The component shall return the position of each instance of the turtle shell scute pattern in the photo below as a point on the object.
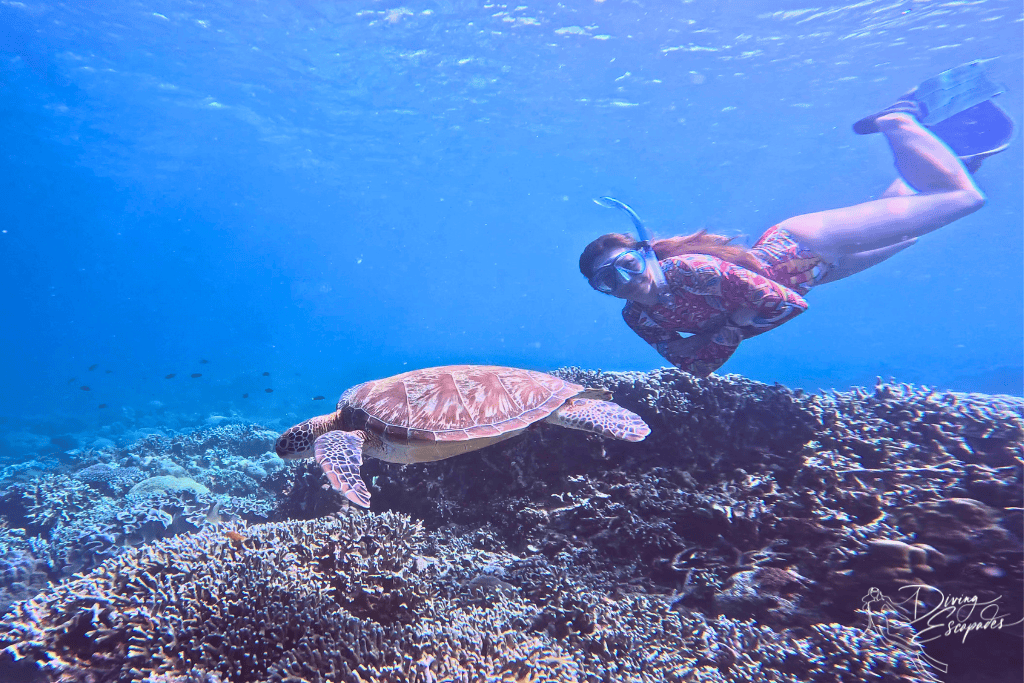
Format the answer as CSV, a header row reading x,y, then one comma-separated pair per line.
x,y
454,403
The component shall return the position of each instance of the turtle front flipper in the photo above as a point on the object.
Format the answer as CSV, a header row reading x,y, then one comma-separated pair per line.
x,y
340,454
600,417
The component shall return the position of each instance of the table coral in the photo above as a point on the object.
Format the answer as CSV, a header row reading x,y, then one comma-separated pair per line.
x,y
167,485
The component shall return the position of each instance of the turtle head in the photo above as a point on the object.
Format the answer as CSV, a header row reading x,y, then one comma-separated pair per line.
x,y
297,442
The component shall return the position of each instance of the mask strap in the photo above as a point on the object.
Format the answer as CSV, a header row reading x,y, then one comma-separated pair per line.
x,y
660,285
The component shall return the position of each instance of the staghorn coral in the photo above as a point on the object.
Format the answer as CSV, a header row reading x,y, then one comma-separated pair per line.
x,y
715,424
70,524
207,597
280,606
46,502
907,425
29,469
21,573
246,441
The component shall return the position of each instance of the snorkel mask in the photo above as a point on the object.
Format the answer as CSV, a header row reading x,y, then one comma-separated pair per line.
x,y
644,246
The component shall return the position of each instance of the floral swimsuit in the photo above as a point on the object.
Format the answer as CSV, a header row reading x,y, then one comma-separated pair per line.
x,y
788,262
706,291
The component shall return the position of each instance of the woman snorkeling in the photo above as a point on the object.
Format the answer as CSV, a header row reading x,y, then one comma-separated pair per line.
x,y
720,293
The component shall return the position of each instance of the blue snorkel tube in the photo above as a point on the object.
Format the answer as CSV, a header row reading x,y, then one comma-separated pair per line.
x,y
645,248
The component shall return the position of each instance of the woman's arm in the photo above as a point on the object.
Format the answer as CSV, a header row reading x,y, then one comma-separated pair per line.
x,y
756,304
748,305
702,353
699,354
648,330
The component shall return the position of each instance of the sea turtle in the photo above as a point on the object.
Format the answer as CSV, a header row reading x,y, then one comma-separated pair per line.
x,y
436,413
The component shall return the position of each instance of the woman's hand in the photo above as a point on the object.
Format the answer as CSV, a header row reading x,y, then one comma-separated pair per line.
x,y
800,271
687,347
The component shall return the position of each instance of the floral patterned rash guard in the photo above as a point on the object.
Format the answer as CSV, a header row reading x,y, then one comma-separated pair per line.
x,y
706,291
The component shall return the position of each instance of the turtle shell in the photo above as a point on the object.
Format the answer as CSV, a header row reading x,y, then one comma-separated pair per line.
x,y
454,403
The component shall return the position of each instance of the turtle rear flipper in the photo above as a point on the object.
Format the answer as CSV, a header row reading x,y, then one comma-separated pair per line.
x,y
600,417
340,455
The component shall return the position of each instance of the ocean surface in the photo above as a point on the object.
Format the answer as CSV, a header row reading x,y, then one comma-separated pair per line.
x,y
229,208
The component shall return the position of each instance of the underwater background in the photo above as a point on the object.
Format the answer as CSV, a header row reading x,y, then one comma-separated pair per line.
x,y
331,192
217,216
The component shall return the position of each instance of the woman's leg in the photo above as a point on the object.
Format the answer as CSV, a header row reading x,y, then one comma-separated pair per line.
x,y
899,188
944,193
854,263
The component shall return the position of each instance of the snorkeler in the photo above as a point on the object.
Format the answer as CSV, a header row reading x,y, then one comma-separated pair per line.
x,y
720,293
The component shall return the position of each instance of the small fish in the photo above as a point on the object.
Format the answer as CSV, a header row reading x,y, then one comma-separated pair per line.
x,y
108,371
72,380
84,388
319,398
103,405
170,376
266,374
235,537
269,391
196,374
213,516
245,395
203,361
93,366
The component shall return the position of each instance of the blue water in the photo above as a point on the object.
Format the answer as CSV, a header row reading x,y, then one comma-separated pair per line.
x,y
335,191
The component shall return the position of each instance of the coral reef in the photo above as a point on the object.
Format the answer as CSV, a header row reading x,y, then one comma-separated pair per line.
x,y
352,598
70,527
46,502
148,490
756,534
849,491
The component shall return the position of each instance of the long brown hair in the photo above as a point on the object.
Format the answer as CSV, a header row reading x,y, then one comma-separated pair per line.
x,y
700,242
